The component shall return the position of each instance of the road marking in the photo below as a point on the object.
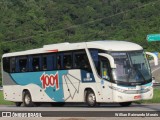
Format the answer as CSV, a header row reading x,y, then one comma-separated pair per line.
x,y
155,69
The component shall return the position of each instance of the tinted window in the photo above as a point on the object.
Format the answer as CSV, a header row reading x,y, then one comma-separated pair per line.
x,y
36,63
104,68
81,61
59,62
67,61
44,63
13,64
23,64
6,64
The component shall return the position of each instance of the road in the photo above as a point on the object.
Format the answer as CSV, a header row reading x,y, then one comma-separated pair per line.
x,y
0,88
82,107
155,71
83,112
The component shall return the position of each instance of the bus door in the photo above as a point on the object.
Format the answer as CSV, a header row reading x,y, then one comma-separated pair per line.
x,y
105,74
104,68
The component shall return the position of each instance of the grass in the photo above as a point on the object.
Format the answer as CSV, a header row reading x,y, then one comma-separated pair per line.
x,y
156,98
4,102
0,81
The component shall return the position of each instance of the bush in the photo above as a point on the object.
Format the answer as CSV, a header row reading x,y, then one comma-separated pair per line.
x,y
0,82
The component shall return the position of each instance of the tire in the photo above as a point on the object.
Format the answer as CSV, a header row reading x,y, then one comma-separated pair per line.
x,y
90,98
125,104
18,104
27,99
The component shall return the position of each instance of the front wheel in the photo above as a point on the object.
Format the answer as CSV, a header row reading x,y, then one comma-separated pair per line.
x,y
125,104
27,100
90,98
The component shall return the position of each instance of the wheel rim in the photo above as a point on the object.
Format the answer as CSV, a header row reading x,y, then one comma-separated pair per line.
x,y
91,98
27,99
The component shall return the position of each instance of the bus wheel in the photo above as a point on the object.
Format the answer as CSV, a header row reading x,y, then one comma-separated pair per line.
x,y
18,104
27,100
90,98
125,104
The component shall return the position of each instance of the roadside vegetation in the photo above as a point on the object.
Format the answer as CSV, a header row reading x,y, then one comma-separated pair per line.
x,y
156,97
28,24
4,102
0,82
0,79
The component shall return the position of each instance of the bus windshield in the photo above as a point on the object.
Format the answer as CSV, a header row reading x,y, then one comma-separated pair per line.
x,y
131,67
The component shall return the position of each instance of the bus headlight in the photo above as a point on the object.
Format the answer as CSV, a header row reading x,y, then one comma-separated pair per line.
x,y
117,89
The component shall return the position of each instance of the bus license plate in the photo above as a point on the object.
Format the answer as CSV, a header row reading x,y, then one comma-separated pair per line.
x,y
137,97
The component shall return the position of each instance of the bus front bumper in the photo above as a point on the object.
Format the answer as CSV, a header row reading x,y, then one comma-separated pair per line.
x,y
134,95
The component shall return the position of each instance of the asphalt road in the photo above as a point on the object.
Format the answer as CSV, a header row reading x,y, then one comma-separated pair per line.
x,y
0,88
83,112
83,107
155,71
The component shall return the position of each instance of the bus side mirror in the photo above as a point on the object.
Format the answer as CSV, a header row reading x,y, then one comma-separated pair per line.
x,y
154,57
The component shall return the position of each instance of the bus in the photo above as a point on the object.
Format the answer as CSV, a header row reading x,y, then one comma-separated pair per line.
x,y
90,72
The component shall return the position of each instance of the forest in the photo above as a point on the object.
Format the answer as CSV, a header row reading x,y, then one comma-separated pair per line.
x,y
27,24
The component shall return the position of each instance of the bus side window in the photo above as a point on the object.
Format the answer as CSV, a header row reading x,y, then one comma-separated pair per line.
x,y
104,70
23,65
76,61
81,62
53,61
13,65
67,61
6,64
36,63
59,64
44,63
84,63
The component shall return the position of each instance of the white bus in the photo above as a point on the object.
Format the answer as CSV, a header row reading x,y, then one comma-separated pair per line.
x,y
92,72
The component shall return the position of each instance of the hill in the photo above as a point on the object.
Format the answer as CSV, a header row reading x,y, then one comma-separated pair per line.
x,y
26,24
30,24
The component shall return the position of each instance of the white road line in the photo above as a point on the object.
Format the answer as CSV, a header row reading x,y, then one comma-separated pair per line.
x,y
155,69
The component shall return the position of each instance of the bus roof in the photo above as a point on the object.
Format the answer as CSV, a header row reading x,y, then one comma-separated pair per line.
x,y
108,45
113,45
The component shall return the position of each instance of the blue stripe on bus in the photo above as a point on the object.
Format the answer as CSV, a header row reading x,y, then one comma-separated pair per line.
x,y
56,94
148,84
34,78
